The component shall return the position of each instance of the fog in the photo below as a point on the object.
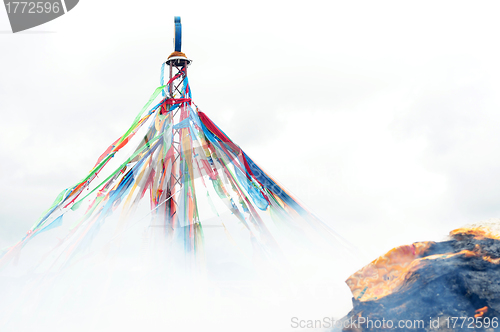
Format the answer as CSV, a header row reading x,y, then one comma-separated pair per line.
x,y
380,116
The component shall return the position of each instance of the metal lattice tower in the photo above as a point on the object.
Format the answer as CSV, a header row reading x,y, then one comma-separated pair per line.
x,y
177,63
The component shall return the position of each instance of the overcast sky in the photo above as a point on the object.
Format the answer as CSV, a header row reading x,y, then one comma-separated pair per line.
x,y
381,116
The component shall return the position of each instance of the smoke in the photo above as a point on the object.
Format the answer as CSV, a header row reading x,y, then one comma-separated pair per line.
x,y
138,281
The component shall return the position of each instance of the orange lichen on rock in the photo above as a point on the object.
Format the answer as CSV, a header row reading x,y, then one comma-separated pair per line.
x,y
481,311
479,233
386,273
492,260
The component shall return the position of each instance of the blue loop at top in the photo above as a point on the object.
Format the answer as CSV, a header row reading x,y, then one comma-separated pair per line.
x,y
178,33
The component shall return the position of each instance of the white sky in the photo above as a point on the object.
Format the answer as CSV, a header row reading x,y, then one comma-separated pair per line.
x,y
381,116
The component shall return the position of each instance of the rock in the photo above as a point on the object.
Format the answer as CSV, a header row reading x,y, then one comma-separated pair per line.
x,y
452,285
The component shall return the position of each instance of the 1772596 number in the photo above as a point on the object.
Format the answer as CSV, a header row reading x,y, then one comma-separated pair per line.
x,y
32,7
471,322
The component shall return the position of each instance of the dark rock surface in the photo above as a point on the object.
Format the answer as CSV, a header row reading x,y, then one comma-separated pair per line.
x,y
440,290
